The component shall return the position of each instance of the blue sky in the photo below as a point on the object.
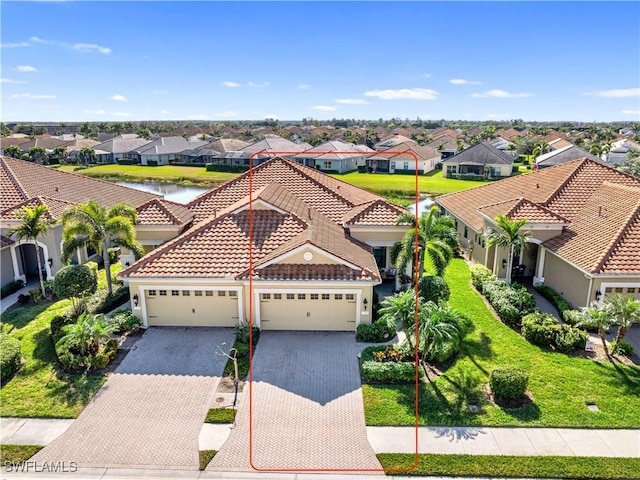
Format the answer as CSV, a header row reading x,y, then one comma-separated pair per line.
x,y
107,61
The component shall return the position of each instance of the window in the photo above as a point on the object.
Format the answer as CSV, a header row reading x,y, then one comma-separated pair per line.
x,y
152,293
314,296
393,165
233,293
327,165
175,293
266,296
186,293
325,296
631,290
338,296
350,296
406,166
618,289
209,293
608,290
452,169
198,293
301,296
290,296
466,232
163,293
277,296
221,293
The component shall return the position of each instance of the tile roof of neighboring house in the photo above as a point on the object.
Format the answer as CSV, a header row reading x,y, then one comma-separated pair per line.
x,y
509,133
218,246
553,134
447,141
523,209
122,144
323,151
56,207
5,142
602,204
5,241
227,145
169,145
481,154
445,133
159,211
48,143
275,144
328,195
391,141
563,155
558,143
379,212
25,183
402,151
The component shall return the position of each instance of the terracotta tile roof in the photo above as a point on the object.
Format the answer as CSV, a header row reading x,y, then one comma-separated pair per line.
x,y
163,212
291,271
523,209
575,191
509,133
56,207
375,213
5,241
422,152
328,195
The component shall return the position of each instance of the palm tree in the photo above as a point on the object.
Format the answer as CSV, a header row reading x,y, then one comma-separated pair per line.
x,y
437,239
509,237
34,225
38,155
13,151
626,311
93,225
87,155
540,148
400,307
600,318
60,153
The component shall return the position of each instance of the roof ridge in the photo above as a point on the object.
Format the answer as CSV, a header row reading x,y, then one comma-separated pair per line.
x,y
565,183
617,239
297,167
13,177
168,212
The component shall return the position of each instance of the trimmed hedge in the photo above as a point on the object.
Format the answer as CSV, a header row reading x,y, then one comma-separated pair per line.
x,y
480,274
125,321
127,161
10,355
511,302
433,288
555,298
10,288
376,332
543,329
508,383
386,371
102,302
210,167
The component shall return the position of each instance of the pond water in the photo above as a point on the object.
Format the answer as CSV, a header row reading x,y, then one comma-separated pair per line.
x,y
423,205
171,191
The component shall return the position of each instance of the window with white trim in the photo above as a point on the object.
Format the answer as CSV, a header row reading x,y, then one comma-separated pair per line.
x,y
222,293
198,293
302,296
325,296
175,293
291,296
152,293
209,293
163,293
266,296
277,296
338,296
233,294
314,296
186,293
350,296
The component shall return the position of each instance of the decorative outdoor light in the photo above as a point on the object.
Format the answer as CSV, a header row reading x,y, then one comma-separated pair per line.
x,y
365,303
135,300
50,261
598,295
504,263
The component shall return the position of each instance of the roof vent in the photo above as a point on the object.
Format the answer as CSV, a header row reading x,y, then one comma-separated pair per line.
x,y
599,210
537,185
57,189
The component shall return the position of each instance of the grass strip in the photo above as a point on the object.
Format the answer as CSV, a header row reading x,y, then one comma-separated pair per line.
x,y
17,453
220,415
205,457
512,466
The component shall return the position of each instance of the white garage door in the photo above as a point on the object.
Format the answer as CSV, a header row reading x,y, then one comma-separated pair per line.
x,y
192,308
308,311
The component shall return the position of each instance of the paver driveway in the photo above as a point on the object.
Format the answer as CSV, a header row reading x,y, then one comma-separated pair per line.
x,y
150,411
307,411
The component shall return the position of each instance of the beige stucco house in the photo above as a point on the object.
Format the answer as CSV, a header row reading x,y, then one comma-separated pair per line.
x,y
482,160
584,219
24,183
283,246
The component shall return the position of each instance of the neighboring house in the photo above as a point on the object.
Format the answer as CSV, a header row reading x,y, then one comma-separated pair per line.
x,y
48,143
406,157
558,143
299,251
619,151
123,146
482,160
509,134
214,152
163,150
584,219
445,144
562,155
335,157
266,148
6,141
391,141
24,183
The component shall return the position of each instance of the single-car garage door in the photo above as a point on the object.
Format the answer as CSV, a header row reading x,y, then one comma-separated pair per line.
x,y
192,308
308,311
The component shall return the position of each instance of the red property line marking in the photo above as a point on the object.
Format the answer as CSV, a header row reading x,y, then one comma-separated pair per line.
x,y
416,266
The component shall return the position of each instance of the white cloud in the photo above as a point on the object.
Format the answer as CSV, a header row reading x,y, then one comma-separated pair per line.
x,y
304,86
460,81
616,93
164,112
14,45
26,68
122,114
9,80
40,40
500,94
91,47
352,101
32,96
324,108
427,75
231,84
631,112
199,116
403,94
119,98
95,112
258,85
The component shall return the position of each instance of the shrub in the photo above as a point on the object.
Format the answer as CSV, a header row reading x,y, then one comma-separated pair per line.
x,y
57,323
10,288
35,294
75,281
242,350
480,274
573,317
386,371
540,328
622,348
570,338
68,352
554,297
242,334
10,355
93,266
102,302
379,331
511,302
24,299
125,321
433,288
508,383
445,352
210,167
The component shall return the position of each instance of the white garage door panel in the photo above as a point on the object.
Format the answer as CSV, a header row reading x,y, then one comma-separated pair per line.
x,y
191,310
307,314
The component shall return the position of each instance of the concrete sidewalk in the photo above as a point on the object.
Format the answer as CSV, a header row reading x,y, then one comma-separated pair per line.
x,y
449,440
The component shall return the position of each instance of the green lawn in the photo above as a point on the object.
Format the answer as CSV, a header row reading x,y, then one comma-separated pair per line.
x,y
508,466
11,454
220,415
164,173
386,184
561,384
39,388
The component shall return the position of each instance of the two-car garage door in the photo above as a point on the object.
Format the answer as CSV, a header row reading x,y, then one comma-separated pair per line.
x,y
192,308
308,311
